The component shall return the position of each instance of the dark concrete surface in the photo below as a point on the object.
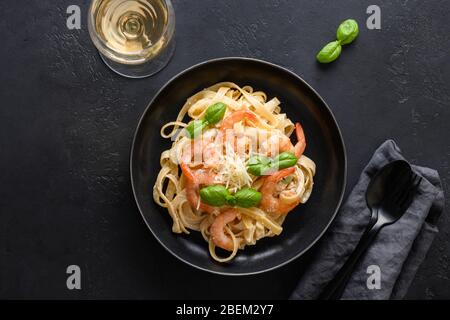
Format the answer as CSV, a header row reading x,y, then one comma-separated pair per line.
x,y
67,121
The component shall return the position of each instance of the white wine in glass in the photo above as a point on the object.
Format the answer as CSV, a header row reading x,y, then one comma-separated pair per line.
x,y
133,37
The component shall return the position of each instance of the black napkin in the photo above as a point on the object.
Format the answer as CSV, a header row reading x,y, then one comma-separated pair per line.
x,y
398,250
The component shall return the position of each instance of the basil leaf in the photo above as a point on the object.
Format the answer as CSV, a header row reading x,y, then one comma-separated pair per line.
x,y
231,200
215,112
330,52
347,31
258,170
258,165
247,198
216,195
258,159
195,128
284,160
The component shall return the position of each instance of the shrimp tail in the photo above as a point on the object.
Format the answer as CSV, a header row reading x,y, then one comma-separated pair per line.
x,y
237,116
301,140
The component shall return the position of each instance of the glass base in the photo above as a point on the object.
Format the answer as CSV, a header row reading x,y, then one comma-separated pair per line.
x,y
145,69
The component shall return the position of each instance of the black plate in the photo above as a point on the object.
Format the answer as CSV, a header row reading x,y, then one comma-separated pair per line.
x,y
305,225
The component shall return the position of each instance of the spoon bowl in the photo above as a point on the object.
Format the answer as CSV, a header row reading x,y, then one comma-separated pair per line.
x,y
383,182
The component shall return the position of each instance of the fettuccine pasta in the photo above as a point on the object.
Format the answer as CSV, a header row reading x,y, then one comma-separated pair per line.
x,y
232,172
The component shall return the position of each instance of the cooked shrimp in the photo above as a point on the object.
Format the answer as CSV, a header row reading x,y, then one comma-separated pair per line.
x,y
217,230
224,136
283,143
192,152
194,180
237,116
270,201
212,155
276,143
203,150
300,146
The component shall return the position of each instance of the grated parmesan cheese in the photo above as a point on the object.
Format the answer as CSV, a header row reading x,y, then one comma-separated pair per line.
x,y
233,173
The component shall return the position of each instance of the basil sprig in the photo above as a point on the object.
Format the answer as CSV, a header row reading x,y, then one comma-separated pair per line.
x,y
213,115
345,34
218,196
261,165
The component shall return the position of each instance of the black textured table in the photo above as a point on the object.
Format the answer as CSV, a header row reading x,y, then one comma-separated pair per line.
x,y
67,121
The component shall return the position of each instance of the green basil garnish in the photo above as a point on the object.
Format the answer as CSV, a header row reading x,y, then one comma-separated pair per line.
x,y
347,31
260,165
215,112
216,195
195,128
231,201
330,52
284,160
247,198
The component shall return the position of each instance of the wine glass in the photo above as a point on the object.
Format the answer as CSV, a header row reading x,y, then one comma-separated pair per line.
x,y
133,37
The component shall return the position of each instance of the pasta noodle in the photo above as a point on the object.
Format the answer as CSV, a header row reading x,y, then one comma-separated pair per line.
x,y
250,127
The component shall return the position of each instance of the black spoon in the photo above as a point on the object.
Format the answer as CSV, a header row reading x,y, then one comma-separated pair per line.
x,y
389,194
